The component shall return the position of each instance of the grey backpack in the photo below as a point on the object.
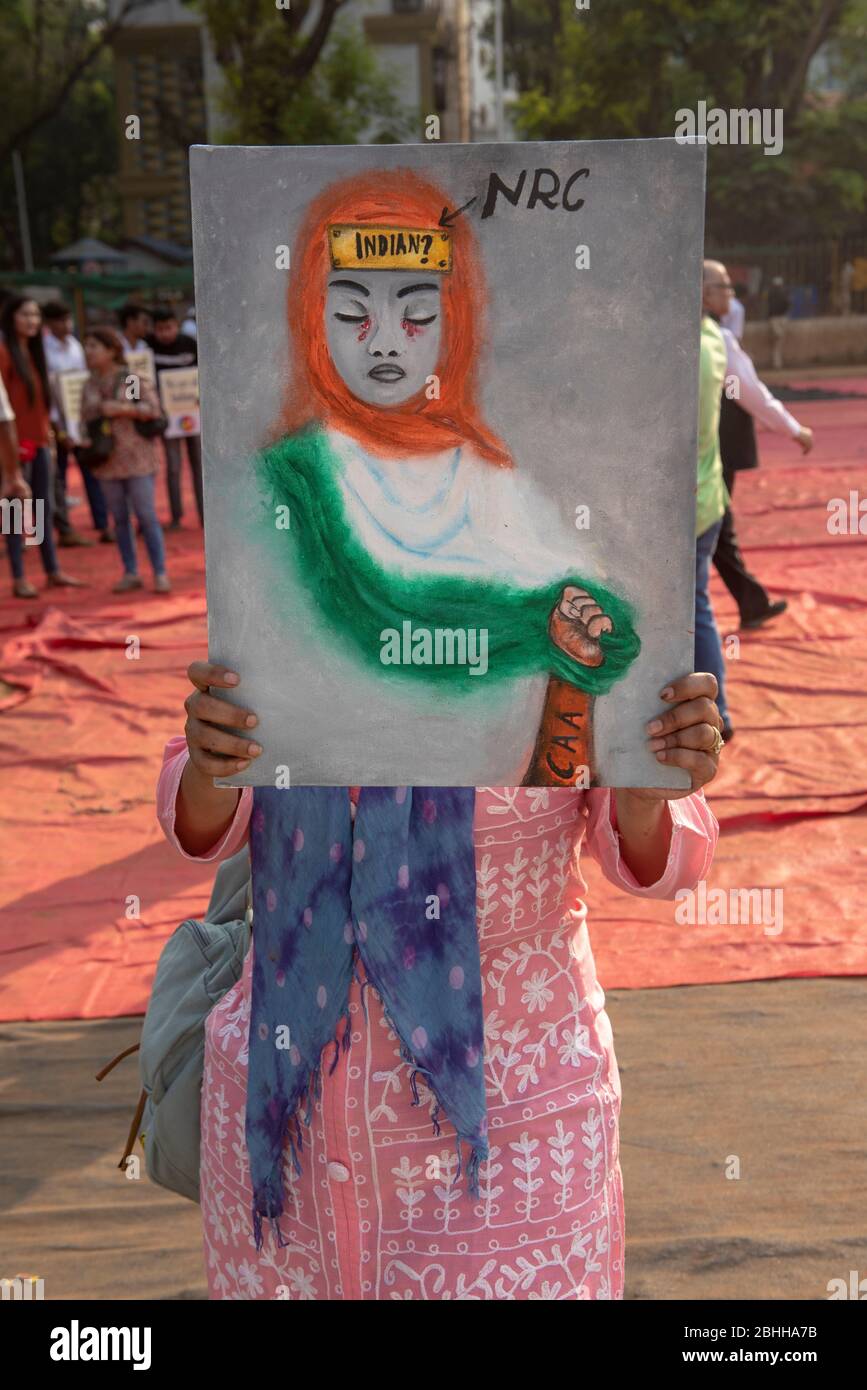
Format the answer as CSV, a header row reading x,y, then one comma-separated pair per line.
x,y
199,963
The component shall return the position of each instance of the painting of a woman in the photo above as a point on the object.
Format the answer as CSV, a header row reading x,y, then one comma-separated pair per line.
x,y
423,547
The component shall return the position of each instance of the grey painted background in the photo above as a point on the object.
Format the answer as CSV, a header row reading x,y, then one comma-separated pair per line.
x,y
591,379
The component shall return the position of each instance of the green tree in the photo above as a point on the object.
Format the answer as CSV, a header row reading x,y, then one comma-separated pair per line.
x,y
623,69
71,168
299,76
46,47
56,75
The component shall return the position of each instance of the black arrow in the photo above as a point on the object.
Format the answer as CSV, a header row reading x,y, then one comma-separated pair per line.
x,y
447,218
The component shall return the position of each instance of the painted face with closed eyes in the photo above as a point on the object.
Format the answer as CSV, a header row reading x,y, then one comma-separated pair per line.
x,y
384,330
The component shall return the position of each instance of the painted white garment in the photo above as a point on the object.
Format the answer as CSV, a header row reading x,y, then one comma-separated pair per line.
x,y
454,513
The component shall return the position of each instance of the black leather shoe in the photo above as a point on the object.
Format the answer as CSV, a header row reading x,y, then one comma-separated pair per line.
x,y
772,611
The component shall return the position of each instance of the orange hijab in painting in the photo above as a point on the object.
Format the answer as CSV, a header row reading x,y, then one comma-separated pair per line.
x,y
318,393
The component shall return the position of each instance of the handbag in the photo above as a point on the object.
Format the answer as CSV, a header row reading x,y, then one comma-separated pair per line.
x,y
152,429
198,965
99,447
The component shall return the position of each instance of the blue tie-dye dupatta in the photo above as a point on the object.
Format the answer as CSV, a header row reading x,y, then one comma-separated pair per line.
x,y
401,893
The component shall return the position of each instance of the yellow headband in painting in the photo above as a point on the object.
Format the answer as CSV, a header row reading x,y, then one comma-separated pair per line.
x,y
390,248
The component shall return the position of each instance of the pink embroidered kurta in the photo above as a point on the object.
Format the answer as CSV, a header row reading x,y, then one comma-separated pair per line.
x,y
378,1211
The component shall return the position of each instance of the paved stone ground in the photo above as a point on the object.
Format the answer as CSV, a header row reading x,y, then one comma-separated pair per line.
x,y
772,1073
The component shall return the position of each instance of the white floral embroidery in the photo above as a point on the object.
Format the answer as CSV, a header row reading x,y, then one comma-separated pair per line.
x,y
486,893
576,1045
592,1140
301,1282
513,892
409,1189
505,803
449,1190
536,993
250,1279
562,1155
539,884
221,1120
563,862
234,1024
527,1164
489,1171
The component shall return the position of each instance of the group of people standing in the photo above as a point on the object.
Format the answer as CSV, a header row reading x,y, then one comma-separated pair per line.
x,y
731,400
37,345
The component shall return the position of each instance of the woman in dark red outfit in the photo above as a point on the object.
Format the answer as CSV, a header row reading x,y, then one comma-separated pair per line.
x,y
22,364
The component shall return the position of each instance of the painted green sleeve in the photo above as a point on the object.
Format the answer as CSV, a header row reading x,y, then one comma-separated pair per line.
x,y
359,598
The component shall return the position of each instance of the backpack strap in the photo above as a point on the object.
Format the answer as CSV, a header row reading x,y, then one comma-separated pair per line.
x,y
133,1129
110,1066
142,1100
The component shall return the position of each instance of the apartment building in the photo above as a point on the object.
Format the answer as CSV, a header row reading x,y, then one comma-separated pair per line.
x,y
168,77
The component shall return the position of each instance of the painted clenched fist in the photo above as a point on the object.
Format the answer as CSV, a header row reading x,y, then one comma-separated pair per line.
x,y
576,625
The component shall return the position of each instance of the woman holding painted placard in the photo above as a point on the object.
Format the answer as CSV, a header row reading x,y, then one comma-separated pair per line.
x,y
411,1092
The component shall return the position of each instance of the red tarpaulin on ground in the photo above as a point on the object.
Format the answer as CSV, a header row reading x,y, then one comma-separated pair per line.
x,y
90,890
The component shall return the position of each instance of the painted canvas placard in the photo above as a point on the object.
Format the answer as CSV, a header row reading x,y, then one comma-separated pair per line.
x,y
449,413
179,393
141,364
69,389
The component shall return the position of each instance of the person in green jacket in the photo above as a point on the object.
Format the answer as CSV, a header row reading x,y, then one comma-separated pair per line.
x,y
711,500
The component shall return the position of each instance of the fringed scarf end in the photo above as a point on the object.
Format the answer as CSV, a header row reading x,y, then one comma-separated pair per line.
x,y
365,985
300,1119
477,1156
258,1216
314,1091
474,1162
341,1044
296,1164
